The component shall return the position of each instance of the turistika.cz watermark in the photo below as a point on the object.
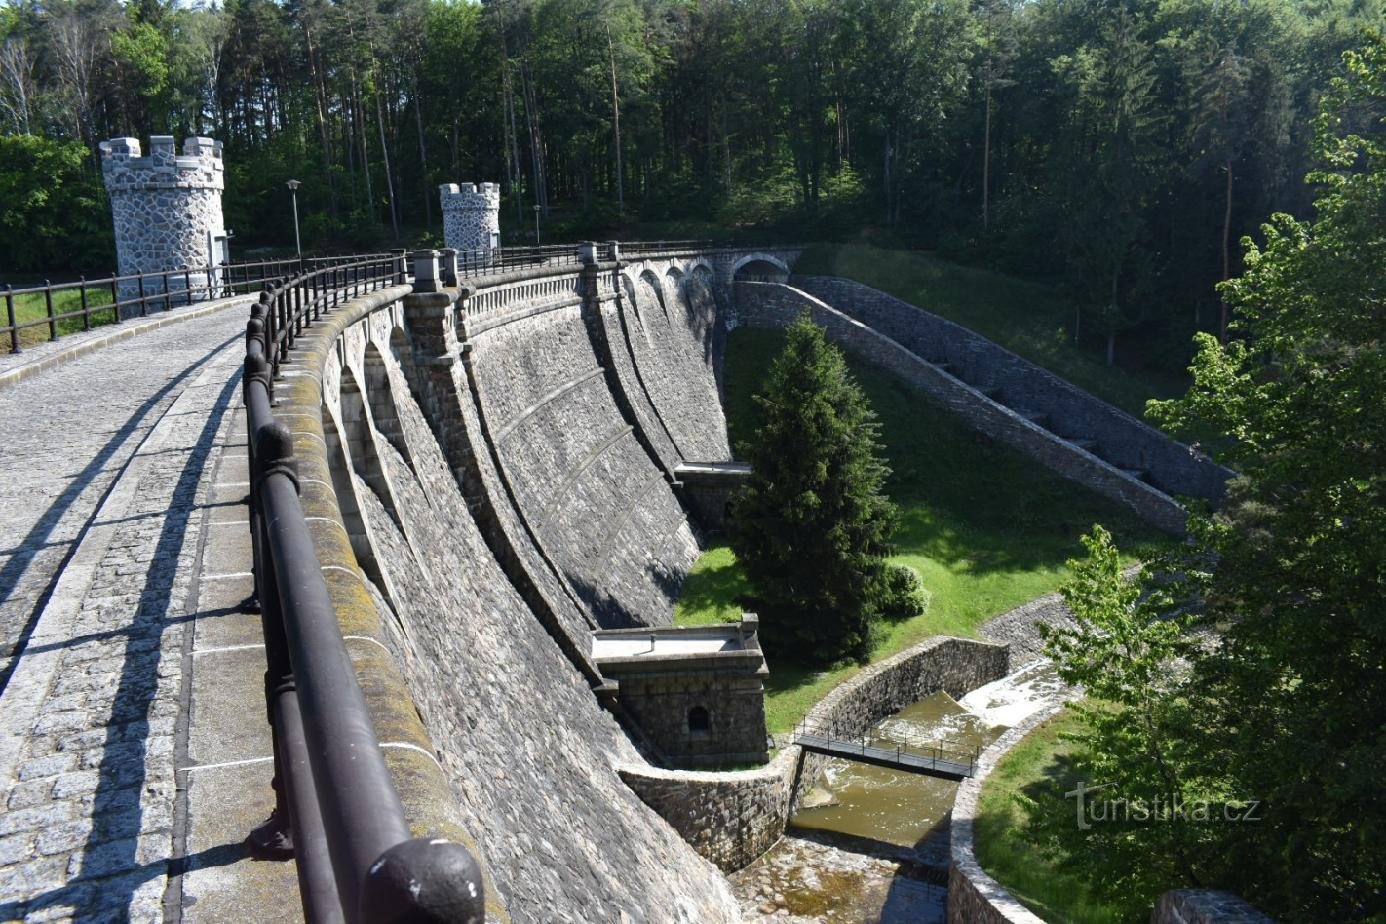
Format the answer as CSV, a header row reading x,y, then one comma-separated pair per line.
x,y
1098,805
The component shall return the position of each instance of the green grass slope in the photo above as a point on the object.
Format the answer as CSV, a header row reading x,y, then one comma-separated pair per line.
x,y
986,527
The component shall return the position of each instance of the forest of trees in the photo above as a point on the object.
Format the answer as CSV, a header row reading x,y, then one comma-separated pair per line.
x,y
1121,146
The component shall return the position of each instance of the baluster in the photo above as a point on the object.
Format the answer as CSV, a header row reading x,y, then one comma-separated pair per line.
x,y
48,301
9,312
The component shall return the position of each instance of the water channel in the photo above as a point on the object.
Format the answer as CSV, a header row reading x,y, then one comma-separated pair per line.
x,y
871,843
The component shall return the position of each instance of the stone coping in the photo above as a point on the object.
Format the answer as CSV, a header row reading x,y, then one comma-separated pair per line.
x,y
425,789
67,348
1003,906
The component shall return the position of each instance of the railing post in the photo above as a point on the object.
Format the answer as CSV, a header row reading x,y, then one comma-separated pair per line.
x,y
401,267
86,312
144,308
9,312
48,302
115,297
168,298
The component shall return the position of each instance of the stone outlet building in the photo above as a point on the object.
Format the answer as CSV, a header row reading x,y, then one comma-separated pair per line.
x,y
697,693
471,220
167,212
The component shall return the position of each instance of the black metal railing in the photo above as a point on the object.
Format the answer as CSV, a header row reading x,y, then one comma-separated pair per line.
x,y
337,808
954,758
112,299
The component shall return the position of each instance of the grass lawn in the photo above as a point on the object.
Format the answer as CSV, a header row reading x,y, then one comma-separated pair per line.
x,y
33,308
1039,767
1027,318
986,528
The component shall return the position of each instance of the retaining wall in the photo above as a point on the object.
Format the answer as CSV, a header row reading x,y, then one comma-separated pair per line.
x,y
777,305
1121,439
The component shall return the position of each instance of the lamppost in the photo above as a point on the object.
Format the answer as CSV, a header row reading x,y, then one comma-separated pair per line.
x,y
537,240
293,190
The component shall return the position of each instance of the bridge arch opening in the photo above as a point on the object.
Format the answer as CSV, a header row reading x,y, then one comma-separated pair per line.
x,y
699,721
760,267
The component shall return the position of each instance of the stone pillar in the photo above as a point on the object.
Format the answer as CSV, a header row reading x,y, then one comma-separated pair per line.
x,y
167,213
471,221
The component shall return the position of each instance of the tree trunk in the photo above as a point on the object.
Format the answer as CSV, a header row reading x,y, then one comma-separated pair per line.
x,y
1226,253
385,154
616,124
986,155
423,155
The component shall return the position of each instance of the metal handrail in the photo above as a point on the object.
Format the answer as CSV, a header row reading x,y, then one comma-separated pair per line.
x,y
334,794
138,291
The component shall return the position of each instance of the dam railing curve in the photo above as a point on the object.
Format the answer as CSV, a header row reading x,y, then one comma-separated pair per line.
x,y
337,810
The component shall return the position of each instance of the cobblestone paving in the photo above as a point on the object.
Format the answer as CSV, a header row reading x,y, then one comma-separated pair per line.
x,y
103,496
67,434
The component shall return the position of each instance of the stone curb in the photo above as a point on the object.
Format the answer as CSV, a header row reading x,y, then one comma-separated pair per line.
x,y
969,886
429,803
118,332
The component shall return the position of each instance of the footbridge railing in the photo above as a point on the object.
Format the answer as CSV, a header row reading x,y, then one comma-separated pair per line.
x,y
943,758
337,809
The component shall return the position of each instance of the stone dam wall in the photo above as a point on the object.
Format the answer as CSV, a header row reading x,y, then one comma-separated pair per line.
x,y
422,408
489,476
777,305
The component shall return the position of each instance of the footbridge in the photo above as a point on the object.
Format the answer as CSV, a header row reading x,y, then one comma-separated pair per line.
x,y
945,760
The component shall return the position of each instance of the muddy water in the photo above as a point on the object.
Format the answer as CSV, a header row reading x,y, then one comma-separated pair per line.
x,y
874,846
893,806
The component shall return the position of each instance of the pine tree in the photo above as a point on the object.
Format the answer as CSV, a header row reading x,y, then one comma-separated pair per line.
x,y
812,525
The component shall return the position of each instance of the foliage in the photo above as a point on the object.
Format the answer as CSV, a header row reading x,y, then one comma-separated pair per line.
x,y
52,210
1299,560
1281,704
812,523
986,528
900,593
1039,769
1123,650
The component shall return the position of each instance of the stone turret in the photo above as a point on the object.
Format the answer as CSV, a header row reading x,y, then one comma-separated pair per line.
x,y
471,220
167,212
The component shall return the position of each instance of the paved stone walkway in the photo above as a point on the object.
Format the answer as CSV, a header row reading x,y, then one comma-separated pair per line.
x,y
128,771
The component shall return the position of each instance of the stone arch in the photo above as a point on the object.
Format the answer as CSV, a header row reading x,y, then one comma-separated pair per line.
x,y
649,280
359,440
381,397
760,267
339,467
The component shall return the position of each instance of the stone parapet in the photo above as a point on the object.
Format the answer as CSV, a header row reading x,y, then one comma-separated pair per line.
x,y
728,818
1204,906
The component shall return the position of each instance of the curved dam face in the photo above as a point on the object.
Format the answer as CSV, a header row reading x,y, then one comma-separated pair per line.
x,y
503,465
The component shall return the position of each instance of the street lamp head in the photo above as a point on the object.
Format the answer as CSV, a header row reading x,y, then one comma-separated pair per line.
x,y
294,184
536,209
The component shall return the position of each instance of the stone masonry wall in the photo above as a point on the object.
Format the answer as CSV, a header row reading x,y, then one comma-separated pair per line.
x,y
732,818
598,502
164,207
671,321
530,754
471,217
1120,438
1204,906
776,305
729,818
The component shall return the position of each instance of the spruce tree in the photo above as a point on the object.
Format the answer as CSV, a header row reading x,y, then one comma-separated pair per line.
x,y
812,524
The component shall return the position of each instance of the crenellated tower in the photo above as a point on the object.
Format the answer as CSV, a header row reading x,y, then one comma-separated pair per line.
x,y
167,211
471,220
